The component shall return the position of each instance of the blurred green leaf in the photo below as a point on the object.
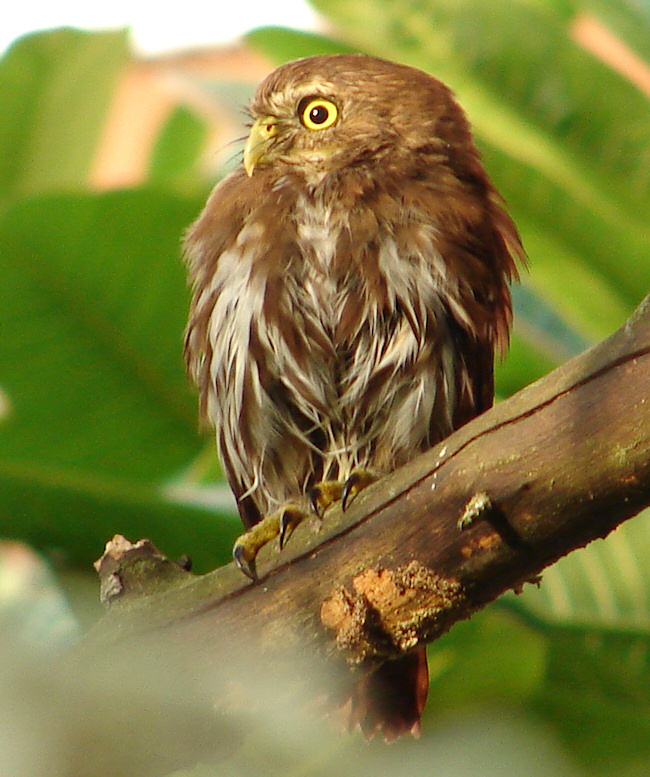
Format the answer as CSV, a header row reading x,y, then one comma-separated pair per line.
x,y
597,697
92,309
594,608
74,513
178,147
55,89
281,44
603,586
509,667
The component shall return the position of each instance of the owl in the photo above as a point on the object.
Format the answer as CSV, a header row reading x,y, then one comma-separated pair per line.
x,y
350,290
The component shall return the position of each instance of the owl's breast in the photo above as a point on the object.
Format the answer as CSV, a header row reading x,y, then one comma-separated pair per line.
x,y
323,283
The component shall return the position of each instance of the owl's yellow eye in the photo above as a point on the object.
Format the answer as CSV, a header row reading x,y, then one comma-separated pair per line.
x,y
317,113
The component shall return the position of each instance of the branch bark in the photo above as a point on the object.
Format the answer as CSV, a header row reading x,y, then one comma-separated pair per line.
x,y
557,465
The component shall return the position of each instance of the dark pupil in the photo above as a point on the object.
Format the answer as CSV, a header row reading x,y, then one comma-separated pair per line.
x,y
319,114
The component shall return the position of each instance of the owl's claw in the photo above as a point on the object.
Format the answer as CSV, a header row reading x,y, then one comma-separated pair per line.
x,y
323,494
248,545
282,522
279,524
290,517
245,564
358,480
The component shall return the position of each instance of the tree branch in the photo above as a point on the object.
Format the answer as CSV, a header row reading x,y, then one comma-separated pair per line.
x,y
557,465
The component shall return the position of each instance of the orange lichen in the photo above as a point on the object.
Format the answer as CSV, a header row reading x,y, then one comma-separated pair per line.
x,y
390,611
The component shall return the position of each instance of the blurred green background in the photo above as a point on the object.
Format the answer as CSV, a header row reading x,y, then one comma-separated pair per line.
x,y
98,427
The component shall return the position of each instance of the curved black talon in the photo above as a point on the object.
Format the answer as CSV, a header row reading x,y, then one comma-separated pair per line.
x,y
284,528
287,524
246,566
347,492
314,496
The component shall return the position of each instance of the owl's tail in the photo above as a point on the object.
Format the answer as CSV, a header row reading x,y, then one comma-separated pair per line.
x,y
390,700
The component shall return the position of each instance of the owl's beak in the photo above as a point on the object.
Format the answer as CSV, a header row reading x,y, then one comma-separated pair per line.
x,y
259,142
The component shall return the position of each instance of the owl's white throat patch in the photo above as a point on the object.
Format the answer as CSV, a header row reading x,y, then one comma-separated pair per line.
x,y
318,233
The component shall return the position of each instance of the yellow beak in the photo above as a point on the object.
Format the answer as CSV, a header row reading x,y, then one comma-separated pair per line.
x,y
259,143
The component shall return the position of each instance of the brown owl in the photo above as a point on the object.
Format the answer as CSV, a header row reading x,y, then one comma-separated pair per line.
x,y
350,289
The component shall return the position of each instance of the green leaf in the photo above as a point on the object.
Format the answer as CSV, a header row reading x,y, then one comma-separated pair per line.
x,y
178,147
281,44
597,697
93,304
594,607
510,666
92,309
55,89
603,586
74,513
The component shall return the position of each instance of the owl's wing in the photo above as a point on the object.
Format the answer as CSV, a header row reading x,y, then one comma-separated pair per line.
x,y
482,248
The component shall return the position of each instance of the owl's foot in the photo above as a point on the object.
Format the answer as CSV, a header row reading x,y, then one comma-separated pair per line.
x,y
282,522
358,480
278,524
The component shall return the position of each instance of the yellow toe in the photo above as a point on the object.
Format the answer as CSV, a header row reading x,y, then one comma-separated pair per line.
x,y
324,494
358,480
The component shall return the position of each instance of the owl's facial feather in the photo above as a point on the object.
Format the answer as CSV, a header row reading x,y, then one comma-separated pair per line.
x,y
298,130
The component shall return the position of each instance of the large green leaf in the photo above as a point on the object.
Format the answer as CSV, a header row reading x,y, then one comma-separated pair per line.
x,y
281,44
597,697
55,89
603,586
92,309
593,687
511,665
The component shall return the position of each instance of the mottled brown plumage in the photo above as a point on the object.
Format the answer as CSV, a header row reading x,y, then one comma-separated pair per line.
x,y
350,293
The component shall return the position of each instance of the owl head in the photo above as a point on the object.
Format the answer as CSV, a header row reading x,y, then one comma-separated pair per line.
x,y
327,113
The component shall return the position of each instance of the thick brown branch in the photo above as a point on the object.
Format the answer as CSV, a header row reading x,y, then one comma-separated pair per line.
x,y
561,463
